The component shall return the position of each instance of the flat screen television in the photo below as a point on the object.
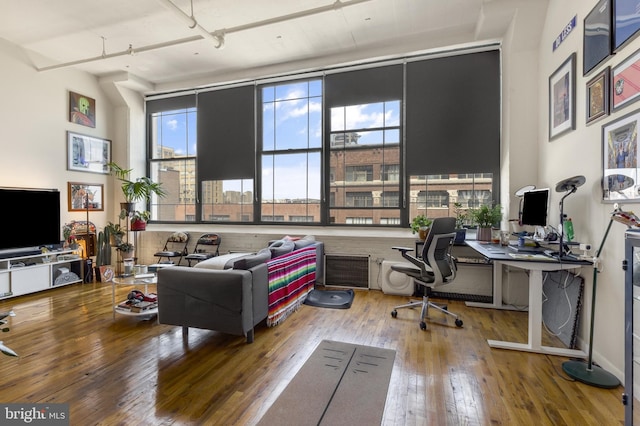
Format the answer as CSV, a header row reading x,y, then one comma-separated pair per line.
x,y
535,206
35,221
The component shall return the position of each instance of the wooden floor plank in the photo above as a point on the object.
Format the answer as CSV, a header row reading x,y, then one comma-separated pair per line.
x,y
130,371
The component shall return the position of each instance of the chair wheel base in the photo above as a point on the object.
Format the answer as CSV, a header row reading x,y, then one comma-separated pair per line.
x,y
423,325
459,323
394,314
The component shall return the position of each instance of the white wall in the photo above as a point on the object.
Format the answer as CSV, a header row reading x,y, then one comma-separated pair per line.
x,y
580,153
35,118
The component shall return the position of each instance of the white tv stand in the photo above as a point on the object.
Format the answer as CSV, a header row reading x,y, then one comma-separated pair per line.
x,y
29,274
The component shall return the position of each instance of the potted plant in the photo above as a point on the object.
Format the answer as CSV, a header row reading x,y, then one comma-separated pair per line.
x,y
125,249
139,220
115,233
420,225
103,251
485,217
461,217
140,189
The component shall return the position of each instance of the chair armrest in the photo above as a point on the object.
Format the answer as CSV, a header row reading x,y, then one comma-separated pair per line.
x,y
402,249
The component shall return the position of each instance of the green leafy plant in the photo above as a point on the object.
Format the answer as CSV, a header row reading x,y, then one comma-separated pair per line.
x,y
420,221
461,215
140,189
486,216
125,247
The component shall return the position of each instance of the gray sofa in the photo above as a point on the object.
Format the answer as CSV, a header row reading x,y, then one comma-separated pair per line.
x,y
232,301
227,293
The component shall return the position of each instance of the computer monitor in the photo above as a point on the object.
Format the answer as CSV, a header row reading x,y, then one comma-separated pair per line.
x,y
535,206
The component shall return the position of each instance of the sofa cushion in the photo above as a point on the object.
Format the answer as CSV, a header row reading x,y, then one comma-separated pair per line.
x,y
280,247
248,262
307,240
224,261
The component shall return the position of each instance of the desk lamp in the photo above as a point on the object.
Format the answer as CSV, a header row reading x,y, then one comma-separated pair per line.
x,y
569,185
520,194
587,372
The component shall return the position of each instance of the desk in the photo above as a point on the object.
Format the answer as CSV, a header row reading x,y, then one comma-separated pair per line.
x,y
535,264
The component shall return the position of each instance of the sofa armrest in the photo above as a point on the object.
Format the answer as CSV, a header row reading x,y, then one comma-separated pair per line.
x,y
220,300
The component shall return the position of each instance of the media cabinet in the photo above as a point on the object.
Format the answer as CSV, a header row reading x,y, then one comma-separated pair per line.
x,y
37,272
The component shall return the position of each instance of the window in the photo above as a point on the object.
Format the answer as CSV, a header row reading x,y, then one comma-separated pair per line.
x,y
173,141
390,172
291,151
364,159
434,196
331,149
227,200
359,173
359,199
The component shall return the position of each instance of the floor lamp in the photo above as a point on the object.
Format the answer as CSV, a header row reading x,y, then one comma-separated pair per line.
x,y
587,372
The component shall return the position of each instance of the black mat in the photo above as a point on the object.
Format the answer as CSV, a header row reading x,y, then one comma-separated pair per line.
x,y
336,299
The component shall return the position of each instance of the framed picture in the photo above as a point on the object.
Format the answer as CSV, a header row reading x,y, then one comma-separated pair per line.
x,y
597,36
598,96
620,159
625,82
85,196
88,153
562,98
626,21
82,109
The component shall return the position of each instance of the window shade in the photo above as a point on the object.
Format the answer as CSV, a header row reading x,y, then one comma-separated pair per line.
x,y
226,141
363,86
171,104
453,114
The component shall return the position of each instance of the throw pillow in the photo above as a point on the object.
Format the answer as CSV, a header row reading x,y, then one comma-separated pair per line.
x,y
248,262
280,247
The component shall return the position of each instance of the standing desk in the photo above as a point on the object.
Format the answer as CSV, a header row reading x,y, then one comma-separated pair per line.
x,y
535,264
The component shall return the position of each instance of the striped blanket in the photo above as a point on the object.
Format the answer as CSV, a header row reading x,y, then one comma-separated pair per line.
x,y
291,278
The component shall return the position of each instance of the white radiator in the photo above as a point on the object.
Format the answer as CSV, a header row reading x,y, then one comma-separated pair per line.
x,y
346,270
393,282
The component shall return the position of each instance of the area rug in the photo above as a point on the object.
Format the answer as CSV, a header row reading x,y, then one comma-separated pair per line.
x,y
340,384
336,299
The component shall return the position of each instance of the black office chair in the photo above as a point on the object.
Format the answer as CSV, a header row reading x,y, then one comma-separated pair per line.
x,y
174,247
435,267
207,246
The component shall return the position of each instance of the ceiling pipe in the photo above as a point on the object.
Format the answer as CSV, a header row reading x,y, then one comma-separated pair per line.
x,y
190,21
338,4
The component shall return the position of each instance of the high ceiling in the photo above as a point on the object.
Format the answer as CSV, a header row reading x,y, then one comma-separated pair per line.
x,y
261,37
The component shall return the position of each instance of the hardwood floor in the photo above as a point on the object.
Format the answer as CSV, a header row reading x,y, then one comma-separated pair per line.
x,y
130,371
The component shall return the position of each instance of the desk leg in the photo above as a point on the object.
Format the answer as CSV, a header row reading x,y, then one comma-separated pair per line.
x,y
535,325
497,291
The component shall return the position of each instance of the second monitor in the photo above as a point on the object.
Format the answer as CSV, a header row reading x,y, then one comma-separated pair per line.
x,y
535,206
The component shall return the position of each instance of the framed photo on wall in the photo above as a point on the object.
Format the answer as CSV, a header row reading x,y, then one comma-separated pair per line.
x,y
85,196
597,36
598,96
625,82
562,98
88,153
82,109
620,159
626,21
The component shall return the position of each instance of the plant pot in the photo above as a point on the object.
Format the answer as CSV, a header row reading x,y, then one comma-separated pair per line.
x,y
138,225
115,240
461,234
129,207
422,233
484,234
